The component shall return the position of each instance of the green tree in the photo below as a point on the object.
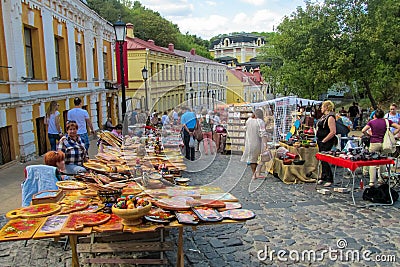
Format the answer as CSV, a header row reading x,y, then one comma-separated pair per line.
x,y
351,41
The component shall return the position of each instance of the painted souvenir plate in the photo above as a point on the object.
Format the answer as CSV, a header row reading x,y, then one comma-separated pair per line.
x,y
71,185
238,214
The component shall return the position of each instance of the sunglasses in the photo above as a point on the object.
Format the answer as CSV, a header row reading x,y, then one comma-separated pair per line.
x,y
71,122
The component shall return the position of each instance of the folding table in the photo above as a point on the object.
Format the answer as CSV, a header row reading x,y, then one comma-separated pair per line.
x,y
353,165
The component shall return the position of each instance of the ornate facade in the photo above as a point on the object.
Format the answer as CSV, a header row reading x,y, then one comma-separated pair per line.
x,y
50,50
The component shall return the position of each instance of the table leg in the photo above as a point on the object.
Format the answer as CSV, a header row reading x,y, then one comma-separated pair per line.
x,y
73,240
180,262
352,188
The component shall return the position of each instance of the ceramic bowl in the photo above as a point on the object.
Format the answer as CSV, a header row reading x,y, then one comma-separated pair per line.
x,y
132,216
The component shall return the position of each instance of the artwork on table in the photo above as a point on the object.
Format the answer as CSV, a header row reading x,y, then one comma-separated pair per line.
x,y
238,214
113,224
71,185
53,224
227,197
39,210
77,221
19,229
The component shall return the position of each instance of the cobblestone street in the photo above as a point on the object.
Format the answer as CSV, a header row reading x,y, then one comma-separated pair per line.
x,y
290,218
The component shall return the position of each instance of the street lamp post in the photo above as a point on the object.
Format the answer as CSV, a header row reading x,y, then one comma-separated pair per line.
x,y
120,33
145,76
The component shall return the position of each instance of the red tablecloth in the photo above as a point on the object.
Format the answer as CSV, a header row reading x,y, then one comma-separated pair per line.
x,y
352,165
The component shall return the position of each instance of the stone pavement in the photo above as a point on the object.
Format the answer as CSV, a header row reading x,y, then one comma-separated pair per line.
x,y
293,220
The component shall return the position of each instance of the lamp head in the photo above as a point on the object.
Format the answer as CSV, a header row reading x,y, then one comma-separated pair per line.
x,y
145,73
120,31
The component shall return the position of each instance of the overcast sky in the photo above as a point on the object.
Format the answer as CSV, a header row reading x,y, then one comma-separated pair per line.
x,y
208,18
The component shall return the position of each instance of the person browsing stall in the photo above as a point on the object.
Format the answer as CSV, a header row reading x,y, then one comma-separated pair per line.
x,y
255,129
326,139
74,149
117,131
188,121
82,119
54,131
376,129
393,116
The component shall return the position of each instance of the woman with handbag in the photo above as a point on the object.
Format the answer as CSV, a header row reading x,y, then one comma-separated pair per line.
x,y
376,129
255,128
326,139
206,129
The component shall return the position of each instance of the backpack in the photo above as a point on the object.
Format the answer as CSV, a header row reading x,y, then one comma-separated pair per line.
x,y
380,194
341,128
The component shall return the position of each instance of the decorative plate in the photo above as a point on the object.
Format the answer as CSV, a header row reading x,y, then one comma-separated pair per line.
x,y
71,185
238,214
40,210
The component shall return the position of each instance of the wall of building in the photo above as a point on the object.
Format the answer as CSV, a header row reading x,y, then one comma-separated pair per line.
x,y
69,44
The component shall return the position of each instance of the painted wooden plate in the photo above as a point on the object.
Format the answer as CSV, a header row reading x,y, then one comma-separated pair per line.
x,y
71,185
39,210
238,214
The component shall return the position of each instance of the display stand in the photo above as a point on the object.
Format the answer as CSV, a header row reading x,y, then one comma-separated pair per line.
x,y
237,116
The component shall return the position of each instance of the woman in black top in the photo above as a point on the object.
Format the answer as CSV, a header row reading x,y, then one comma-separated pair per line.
x,y
326,139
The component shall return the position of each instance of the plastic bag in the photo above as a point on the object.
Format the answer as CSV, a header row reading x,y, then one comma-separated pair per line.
x,y
191,141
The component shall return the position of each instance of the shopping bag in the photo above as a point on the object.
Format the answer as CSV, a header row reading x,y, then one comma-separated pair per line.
x,y
191,141
389,142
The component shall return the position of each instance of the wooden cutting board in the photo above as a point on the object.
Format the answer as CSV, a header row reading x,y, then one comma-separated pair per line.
x,y
172,204
79,222
112,225
39,210
211,203
20,229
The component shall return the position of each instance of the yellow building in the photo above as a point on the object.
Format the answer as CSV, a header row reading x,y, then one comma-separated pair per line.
x,y
50,51
245,86
236,48
165,84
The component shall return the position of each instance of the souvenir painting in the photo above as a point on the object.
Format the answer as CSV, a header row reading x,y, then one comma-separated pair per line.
x,y
187,217
20,229
208,214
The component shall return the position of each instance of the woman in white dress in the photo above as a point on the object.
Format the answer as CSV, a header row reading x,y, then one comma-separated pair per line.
x,y
255,127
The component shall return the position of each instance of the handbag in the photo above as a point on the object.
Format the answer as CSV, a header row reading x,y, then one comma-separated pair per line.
x,y
198,133
266,156
389,142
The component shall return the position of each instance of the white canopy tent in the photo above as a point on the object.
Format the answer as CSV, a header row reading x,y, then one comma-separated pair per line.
x,y
283,108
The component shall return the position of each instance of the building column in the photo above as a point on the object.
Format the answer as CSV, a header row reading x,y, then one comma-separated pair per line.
x,y
26,136
93,98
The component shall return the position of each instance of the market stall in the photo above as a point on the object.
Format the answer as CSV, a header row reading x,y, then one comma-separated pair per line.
x,y
132,188
304,172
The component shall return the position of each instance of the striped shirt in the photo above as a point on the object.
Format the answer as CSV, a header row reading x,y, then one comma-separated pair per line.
x,y
75,151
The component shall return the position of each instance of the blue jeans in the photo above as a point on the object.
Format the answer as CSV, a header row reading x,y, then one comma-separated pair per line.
x,y
72,169
53,138
85,139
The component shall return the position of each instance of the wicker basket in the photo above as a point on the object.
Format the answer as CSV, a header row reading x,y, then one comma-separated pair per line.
x,y
132,216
